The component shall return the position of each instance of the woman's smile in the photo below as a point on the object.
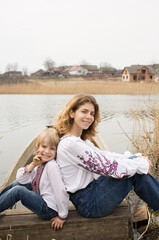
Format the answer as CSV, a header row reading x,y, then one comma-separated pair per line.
x,y
87,123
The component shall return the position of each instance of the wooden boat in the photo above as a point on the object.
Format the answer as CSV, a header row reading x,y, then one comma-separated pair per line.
x,y
22,224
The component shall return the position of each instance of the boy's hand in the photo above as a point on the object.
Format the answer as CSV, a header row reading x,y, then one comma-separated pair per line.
x,y
57,223
37,160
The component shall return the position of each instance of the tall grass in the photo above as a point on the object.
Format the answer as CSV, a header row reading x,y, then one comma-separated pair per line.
x,y
145,137
77,86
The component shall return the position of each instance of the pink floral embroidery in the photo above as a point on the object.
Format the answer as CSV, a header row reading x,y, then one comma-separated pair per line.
x,y
100,166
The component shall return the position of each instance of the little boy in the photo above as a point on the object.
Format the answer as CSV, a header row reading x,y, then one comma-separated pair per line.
x,y
39,185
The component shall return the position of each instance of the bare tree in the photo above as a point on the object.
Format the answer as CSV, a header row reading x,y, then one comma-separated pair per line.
x,y
84,62
15,66
12,67
107,68
25,71
48,64
105,65
8,67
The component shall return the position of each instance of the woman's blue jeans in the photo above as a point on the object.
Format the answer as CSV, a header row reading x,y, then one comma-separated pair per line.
x,y
32,200
103,195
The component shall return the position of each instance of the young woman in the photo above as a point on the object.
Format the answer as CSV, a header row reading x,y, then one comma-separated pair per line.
x,y
79,159
39,185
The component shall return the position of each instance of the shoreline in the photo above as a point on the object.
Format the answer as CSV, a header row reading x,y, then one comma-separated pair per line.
x,y
79,86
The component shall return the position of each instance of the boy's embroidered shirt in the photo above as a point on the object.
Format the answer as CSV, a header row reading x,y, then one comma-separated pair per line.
x,y
52,188
82,159
36,180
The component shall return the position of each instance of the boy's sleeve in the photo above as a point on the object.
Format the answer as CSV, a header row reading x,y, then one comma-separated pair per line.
x,y
25,178
61,195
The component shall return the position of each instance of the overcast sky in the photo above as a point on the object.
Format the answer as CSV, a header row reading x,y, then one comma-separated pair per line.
x,y
119,32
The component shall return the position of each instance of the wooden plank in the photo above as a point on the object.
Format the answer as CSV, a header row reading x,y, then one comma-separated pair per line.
x,y
21,210
140,213
112,227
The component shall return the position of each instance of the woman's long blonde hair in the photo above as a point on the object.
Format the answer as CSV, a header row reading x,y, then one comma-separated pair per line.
x,y
64,122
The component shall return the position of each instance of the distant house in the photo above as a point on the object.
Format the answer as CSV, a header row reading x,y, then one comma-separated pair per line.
x,y
138,73
38,73
110,72
90,68
41,73
77,71
65,72
11,77
48,73
156,69
58,70
12,74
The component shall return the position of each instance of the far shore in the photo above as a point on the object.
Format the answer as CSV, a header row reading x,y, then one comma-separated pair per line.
x,y
79,86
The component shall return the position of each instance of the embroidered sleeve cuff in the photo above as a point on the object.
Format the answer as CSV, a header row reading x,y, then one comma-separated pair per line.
x,y
62,218
143,166
26,169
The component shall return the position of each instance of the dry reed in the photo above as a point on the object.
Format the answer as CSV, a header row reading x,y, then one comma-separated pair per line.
x,y
145,137
72,87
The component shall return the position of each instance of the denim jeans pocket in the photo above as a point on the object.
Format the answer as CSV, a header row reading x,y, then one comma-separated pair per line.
x,y
83,199
79,195
84,207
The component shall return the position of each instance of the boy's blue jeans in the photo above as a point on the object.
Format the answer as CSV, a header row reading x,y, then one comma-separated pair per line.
x,y
103,195
16,191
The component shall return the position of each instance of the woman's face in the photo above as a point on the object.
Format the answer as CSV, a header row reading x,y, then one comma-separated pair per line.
x,y
83,117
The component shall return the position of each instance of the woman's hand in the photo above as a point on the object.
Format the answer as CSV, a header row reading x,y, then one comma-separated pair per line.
x,y
150,164
57,223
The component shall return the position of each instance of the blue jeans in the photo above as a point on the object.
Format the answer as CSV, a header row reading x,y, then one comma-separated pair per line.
x,y
104,194
16,191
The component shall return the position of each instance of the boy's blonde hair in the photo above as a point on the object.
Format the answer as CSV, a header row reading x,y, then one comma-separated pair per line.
x,y
64,121
48,134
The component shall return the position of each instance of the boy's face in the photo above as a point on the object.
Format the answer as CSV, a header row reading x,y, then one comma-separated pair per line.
x,y
46,151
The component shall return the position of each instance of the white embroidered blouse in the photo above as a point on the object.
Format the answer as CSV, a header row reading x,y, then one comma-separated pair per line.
x,y
79,160
51,187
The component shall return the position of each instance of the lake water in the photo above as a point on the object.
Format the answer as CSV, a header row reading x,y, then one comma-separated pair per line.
x,y
22,117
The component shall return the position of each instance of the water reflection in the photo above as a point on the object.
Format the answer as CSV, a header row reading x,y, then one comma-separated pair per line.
x,y
106,116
